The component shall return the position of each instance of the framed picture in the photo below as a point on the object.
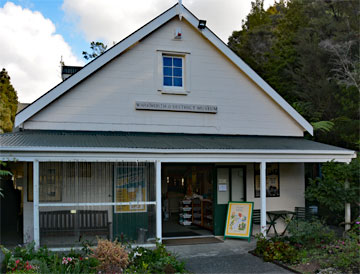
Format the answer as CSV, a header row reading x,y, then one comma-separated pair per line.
x,y
50,186
239,220
272,180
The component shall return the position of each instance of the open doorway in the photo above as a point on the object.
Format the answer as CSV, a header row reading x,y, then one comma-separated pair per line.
x,y
187,200
11,205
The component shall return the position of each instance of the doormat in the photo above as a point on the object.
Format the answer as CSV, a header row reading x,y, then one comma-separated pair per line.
x,y
193,241
180,234
195,227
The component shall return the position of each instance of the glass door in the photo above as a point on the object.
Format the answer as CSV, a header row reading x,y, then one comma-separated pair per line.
x,y
230,186
237,184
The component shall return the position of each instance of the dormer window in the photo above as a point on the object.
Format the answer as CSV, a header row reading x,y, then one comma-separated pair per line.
x,y
173,71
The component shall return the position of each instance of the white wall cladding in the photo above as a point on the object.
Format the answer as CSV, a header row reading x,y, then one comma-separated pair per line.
x,y
292,190
106,100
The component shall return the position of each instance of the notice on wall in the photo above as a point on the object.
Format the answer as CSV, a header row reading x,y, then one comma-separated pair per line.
x,y
239,220
222,187
130,187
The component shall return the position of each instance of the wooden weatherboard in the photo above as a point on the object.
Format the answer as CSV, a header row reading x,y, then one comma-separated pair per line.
x,y
239,220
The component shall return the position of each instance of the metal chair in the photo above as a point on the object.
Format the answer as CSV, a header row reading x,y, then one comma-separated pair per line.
x,y
304,214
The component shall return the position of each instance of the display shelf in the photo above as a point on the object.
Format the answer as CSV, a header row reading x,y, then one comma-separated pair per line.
x,y
202,213
197,217
185,215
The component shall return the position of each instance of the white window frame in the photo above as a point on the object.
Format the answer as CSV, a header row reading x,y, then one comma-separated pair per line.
x,y
185,89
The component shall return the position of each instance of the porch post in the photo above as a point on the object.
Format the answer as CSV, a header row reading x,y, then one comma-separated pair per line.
x,y
263,197
347,210
36,203
158,201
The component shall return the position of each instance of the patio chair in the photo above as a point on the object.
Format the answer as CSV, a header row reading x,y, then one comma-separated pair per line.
x,y
304,214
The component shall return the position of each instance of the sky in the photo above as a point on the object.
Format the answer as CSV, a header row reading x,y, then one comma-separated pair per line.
x,y
37,34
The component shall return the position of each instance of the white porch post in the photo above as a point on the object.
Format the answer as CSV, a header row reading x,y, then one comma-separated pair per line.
x,y
347,210
158,201
263,197
36,203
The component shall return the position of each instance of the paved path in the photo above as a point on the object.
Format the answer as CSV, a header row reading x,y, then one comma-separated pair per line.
x,y
229,257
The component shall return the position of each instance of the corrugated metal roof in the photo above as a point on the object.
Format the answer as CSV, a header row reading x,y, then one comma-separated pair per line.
x,y
136,140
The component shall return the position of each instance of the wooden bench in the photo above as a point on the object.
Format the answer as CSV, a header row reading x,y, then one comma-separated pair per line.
x,y
82,222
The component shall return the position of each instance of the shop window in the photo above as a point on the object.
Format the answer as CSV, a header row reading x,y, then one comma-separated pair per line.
x,y
272,180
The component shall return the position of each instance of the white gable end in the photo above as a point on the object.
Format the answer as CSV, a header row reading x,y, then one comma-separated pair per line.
x,y
106,99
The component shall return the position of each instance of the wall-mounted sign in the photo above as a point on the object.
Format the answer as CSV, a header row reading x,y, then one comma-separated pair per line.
x,y
239,220
130,187
175,107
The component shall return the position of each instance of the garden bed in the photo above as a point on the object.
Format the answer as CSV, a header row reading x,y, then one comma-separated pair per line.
x,y
313,248
106,257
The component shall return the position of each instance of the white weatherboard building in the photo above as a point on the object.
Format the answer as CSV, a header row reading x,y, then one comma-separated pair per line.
x,y
166,116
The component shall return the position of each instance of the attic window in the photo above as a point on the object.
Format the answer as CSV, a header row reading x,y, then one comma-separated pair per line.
x,y
173,71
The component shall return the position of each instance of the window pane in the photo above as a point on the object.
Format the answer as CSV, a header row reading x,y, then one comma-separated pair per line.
x,y
167,81
168,71
177,62
167,61
178,82
177,72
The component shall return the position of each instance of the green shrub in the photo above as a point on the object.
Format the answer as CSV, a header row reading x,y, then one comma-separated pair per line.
x,y
159,260
310,233
276,249
344,255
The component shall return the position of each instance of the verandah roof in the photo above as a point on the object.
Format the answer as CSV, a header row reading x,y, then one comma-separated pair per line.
x,y
46,140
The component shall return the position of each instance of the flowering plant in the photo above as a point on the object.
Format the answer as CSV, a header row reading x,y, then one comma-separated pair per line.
x,y
20,265
67,260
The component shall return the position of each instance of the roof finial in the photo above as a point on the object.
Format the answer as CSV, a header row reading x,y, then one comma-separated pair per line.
x,y
180,9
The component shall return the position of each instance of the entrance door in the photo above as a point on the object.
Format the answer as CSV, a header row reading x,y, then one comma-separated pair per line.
x,y
187,195
230,186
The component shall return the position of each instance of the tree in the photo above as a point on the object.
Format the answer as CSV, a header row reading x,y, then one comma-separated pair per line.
x,y
3,173
8,103
308,52
97,48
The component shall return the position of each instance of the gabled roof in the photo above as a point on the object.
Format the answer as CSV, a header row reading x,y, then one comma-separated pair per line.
x,y
176,10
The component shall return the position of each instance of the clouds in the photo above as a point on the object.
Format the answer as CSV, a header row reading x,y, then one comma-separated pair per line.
x,y
112,20
30,50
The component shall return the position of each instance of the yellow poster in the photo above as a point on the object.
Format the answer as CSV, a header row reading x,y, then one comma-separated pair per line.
x,y
239,220
130,187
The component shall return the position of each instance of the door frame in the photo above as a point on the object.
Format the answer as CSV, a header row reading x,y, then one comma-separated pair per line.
x,y
213,173
219,210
